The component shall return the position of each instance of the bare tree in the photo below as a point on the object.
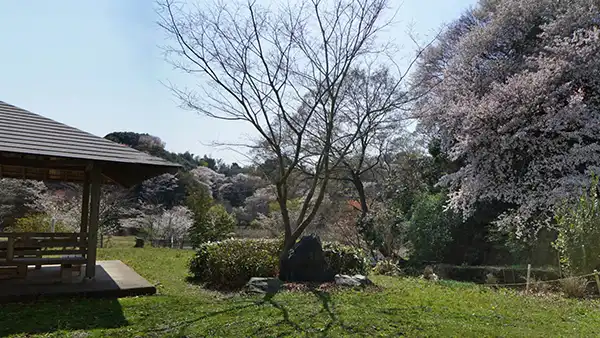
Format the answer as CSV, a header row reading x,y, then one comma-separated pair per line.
x,y
280,70
372,109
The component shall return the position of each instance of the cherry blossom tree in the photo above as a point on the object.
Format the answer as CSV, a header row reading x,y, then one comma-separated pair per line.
x,y
15,198
512,90
170,225
173,224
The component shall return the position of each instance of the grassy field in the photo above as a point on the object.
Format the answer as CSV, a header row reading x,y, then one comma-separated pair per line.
x,y
408,307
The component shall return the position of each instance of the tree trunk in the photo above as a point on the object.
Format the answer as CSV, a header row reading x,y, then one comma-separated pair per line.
x,y
288,244
362,196
364,209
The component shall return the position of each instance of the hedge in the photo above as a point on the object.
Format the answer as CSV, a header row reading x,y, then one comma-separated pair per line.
x,y
229,264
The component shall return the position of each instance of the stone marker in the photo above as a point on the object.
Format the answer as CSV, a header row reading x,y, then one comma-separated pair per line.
x,y
306,262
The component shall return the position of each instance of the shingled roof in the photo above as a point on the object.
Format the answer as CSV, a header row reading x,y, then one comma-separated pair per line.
x,y
36,147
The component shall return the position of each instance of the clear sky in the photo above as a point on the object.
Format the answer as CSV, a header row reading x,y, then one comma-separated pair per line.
x,y
96,65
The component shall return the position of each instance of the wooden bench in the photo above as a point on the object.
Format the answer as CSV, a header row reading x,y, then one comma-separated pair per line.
x,y
21,250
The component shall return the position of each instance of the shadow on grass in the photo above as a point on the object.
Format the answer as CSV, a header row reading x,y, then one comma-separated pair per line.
x,y
60,314
327,307
182,326
308,326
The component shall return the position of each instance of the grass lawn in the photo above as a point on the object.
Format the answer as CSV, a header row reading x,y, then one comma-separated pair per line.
x,y
407,307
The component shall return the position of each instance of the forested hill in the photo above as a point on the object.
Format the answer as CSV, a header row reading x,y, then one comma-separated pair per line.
x,y
155,146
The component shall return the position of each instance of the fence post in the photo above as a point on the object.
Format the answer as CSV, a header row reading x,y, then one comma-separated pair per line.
x,y
597,279
528,275
584,256
560,275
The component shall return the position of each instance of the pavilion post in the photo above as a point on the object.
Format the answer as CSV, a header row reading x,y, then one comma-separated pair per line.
x,y
96,182
85,203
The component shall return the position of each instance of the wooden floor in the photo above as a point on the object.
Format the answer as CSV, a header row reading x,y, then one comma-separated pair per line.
x,y
113,279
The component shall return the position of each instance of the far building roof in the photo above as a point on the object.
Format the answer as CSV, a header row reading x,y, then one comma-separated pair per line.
x,y
36,147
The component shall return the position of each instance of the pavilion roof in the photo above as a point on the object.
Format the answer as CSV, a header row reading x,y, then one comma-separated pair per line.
x,y
35,147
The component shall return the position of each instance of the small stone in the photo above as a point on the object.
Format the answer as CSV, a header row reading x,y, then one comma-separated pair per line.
x,y
363,280
264,285
352,281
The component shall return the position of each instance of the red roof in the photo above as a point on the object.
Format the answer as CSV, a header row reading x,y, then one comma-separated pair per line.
x,y
355,205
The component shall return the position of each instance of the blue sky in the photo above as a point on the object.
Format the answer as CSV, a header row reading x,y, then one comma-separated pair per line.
x,y
96,65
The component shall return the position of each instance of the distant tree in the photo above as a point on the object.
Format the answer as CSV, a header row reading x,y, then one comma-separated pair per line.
x,y
237,188
16,196
211,163
256,205
199,202
211,179
165,190
153,145
127,138
65,208
171,225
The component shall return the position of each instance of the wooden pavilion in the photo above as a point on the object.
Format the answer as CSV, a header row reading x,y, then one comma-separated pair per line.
x,y
38,148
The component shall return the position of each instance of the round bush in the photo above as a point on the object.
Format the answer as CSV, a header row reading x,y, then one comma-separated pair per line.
x,y
230,264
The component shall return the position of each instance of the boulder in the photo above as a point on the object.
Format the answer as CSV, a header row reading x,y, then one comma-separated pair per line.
x,y
306,262
352,281
264,285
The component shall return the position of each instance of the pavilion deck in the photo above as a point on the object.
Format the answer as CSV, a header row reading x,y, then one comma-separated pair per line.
x,y
112,279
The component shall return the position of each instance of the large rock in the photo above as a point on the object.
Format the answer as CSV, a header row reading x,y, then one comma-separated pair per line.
x,y
352,281
306,262
264,285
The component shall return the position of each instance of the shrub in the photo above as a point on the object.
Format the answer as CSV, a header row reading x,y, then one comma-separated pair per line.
x,y
574,287
539,286
229,264
217,224
39,222
344,259
578,232
431,228
387,267
199,202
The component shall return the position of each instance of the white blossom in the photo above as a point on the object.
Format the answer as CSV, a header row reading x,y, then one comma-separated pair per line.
x,y
518,106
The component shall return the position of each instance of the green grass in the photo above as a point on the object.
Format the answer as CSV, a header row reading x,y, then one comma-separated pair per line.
x,y
401,306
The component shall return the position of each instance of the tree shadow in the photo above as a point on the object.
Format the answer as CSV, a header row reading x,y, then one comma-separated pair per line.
x,y
60,314
327,307
181,326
